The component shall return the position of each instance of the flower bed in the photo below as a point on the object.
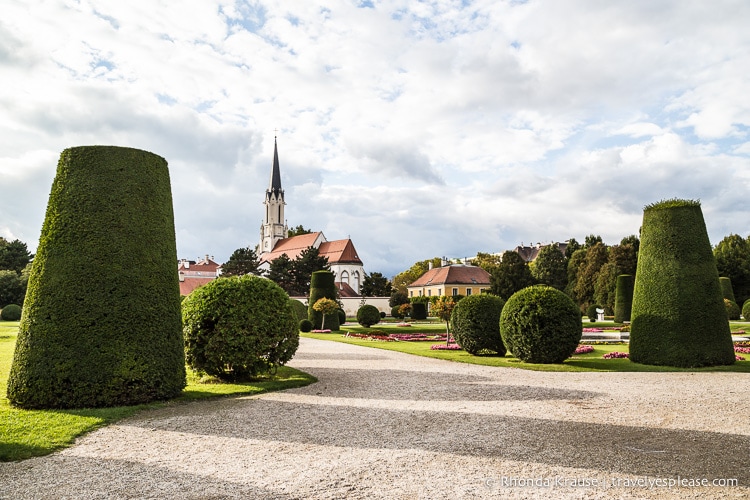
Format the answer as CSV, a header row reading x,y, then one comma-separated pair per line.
x,y
743,350
584,349
445,347
320,331
739,332
615,355
603,329
739,358
385,338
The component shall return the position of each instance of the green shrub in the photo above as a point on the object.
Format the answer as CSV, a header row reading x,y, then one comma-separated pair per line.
x,y
11,312
541,324
342,317
300,309
591,312
746,310
239,327
475,323
368,315
101,325
678,316
323,285
382,315
726,289
419,310
733,310
396,312
624,297
305,325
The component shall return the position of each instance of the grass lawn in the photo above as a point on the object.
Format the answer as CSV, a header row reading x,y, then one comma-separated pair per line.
x,y
29,433
583,362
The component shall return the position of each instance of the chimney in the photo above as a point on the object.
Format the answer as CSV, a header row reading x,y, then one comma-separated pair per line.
x,y
187,264
206,258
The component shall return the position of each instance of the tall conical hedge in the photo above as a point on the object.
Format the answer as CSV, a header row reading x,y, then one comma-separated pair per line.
x,y
323,284
624,297
101,323
726,288
678,315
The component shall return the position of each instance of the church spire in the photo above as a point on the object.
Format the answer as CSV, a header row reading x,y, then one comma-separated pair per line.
x,y
274,226
274,185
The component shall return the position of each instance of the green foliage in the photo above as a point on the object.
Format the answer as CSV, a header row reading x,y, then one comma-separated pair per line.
x,y
322,285
405,278
281,272
486,261
419,310
511,275
368,315
305,325
726,288
541,324
475,322
106,254
575,264
294,275
624,297
342,316
327,308
746,310
14,255
591,312
571,248
242,261
733,310
396,312
375,285
238,328
11,312
12,288
732,256
297,231
596,257
591,240
300,309
551,267
398,298
678,315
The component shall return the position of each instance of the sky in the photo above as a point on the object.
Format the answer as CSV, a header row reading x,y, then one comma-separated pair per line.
x,y
416,128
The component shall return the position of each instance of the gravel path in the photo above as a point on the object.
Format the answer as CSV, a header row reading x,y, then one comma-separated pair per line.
x,y
381,424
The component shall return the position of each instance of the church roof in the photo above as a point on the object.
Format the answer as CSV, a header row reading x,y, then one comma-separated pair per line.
x,y
345,290
293,246
274,185
340,252
456,274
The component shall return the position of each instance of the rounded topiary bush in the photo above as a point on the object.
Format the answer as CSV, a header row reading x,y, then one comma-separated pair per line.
x,y
733,310
591,312
475,323
746,310
623,297
300,309
541,324
101,323
238,328
305,325
368,315
678,316
11,312
323,285
342,316
419,310
396,312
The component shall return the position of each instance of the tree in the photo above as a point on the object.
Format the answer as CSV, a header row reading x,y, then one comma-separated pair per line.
x,y
375,285
322,285
325,307
398,298
511,275
486,261
575,265
732,256
242,261
571,248
296,231
550,267
442,308
622,259
281,272
405,278
596,257
12,288
97,332
678,316
14,255
592,240
307,263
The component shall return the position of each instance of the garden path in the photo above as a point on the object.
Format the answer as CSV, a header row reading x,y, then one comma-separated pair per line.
x,y
382,424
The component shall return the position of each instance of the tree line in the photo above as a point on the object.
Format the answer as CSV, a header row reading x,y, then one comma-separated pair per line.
x,y
15,265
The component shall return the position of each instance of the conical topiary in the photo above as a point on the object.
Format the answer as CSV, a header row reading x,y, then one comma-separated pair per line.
x,y
726,288
678,316
624,297
323,284
101,322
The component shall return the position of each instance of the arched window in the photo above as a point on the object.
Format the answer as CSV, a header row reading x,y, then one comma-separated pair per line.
x,y
345,277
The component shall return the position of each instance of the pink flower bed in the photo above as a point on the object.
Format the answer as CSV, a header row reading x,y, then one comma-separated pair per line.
x,y
743,350
615,355
602,329
739,332
372,337
444,347
320,331
584,349
739,358
404,324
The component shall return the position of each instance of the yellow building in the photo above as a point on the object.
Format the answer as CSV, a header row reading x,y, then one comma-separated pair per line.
x,y
455,279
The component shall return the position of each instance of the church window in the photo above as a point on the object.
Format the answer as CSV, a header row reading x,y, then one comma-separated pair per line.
x,y
345,277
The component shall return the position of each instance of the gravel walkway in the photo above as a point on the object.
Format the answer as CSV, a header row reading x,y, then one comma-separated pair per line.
x,y
381,424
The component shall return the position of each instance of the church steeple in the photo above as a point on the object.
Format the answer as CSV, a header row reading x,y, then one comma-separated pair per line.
x,y
274,226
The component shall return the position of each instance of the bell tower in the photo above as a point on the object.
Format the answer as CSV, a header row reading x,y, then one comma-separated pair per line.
x,y
274,226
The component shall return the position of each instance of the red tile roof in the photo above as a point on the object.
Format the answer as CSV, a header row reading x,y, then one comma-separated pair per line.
x,y
345,290
340,252
188,284
203,267
458,274
292,247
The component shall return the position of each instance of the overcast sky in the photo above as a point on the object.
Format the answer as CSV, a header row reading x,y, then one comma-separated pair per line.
x,y
418,129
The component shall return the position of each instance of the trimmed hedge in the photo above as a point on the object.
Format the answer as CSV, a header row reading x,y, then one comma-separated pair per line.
x,y
239,327
305,325
419,310
323,284
11,312
368,315
541,324
746,310
475,323
726,288
591,312
733,310
300,309
102,324
678,316
624,297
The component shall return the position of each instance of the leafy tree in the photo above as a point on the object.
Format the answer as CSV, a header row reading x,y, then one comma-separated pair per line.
x,y
592,240
375,285
631,240
573,245
14,255
623,259
596,257
405,278
325,307
550,267
486,261
398,298
732,256
242,261
296,231
281,272
12,288
512,275
442,308
307,263
575,265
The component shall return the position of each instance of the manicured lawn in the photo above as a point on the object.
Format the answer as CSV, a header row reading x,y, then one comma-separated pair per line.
x,y
28,433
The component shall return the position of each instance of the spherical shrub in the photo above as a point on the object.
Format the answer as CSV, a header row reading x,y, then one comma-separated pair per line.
x,y
591,312
475,322
368,315
541,324
733,310
746,310
300,309
342,316
239,327
11,312
382,314
305,325
396,312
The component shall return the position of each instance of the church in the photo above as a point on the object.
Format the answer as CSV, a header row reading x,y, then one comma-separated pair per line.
x,y
275,241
